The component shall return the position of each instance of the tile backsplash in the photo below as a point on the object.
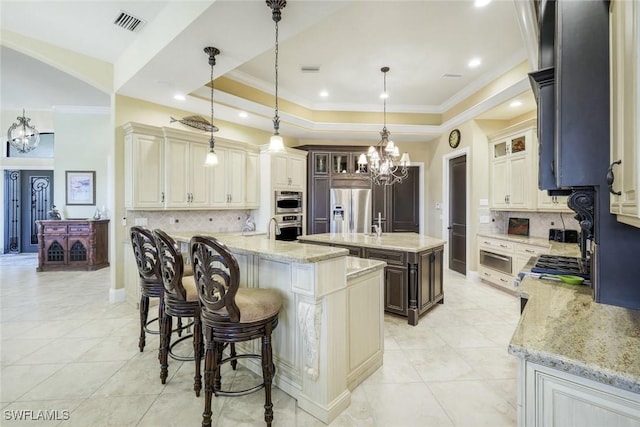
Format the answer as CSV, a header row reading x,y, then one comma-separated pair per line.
x,y
539,222
215,221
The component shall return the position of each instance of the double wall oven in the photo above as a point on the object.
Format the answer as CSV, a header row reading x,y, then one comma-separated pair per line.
x,y
288,212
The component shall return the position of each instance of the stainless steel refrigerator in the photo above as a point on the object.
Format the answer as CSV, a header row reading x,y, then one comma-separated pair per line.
x,y
350,210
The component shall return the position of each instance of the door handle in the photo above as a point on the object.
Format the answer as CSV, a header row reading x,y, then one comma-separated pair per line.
x,y
611,178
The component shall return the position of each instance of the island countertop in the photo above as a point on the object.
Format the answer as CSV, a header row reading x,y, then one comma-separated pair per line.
x,y
406,242
563,328
270,249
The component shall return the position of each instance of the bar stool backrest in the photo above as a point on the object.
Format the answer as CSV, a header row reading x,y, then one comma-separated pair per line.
x,y
146,253
172,266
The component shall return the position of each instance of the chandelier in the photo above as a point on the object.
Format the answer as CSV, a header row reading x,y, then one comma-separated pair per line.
x,y
212,157
386,165
23,136
275,142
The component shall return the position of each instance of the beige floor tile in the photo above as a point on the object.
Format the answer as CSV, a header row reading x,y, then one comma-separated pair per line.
x,y
396,368
463,337
441,364
178,410
60,350
111,411
405,405
16,350
473,403
490,362
16,380
111,348
74,380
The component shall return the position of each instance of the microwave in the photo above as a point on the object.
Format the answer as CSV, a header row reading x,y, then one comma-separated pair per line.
x,y
287,202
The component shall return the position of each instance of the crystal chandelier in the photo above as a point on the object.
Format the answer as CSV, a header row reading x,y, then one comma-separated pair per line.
x,y
275,142
23,136
212,157
386,165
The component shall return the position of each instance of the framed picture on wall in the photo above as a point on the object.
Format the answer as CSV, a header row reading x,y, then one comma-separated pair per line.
x,y
81,187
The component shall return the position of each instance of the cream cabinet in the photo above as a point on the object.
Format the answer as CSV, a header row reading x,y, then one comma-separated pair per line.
x,y
511,258
511,171
288,171
624,175
229,178
549,397
188,180
552,203
143,167
252,193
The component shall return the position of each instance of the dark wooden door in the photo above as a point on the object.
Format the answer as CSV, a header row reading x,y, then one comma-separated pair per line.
x,y
319,201
458,214
37,191
405,202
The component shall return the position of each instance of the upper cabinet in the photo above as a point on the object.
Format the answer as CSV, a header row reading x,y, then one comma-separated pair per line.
x,y
572,93
288,171
624,177
165,169
511,171
143,167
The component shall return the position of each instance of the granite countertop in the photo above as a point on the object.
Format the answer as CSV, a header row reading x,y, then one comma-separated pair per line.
x,y
357,267
407,242
563,328
258,244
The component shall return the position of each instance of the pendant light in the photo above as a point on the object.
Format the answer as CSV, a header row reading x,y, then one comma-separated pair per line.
x,y
23,136
385,163
212,157
275,142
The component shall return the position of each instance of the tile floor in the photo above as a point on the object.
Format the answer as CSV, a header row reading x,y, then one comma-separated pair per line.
x,y
65,348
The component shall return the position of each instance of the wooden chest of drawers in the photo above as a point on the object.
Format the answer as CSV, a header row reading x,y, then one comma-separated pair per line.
x,y
73,244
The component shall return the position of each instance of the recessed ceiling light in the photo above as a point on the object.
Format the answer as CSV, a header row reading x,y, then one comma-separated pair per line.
x,y
243,114
324,93
515,104
384,95
474,62
179,97
481,3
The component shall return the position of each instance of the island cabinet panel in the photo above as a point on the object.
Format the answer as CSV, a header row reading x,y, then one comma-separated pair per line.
x,y
72,245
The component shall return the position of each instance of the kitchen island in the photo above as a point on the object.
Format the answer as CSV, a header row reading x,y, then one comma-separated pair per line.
x,y
413,281
579,361
330,335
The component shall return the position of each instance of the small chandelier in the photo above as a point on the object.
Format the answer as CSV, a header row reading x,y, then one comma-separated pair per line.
x,y
212,157
386,165
23,136
275,142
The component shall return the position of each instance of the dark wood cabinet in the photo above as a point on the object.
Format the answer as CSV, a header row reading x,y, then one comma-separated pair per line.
x,y
431,289
72,244
337,167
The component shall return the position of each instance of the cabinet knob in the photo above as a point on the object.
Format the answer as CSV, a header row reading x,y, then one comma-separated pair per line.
x,y
611,178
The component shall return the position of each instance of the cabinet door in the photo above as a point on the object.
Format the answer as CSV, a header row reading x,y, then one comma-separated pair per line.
x,y
55,250
297,173
219,195
425,290
518,183
319,206
199,176
395,290
437,279
144,171
177,170
77,251
235,176
252,187
499,183
279,173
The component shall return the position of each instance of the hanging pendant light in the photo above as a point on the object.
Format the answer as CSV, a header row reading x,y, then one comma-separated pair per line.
x,y
212,157
275,142
386,165
23,136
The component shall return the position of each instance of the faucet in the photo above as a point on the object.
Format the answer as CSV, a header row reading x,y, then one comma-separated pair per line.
x,y
277,229
378,230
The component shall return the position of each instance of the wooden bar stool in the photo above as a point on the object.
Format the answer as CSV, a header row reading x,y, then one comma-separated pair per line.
x,y
229,315
146,254
180,300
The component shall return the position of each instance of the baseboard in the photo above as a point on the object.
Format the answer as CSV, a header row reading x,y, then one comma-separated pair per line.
x,y
117,295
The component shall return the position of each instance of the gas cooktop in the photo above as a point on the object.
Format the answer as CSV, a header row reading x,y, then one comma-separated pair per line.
x,y
556,264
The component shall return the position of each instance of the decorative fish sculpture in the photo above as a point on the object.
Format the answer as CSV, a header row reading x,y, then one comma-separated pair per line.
x,y
196,122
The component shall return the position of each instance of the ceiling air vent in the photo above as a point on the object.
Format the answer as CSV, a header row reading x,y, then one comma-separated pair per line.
x,y
129,22
451,76
310,68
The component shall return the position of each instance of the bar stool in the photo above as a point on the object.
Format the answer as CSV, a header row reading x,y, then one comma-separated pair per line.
x,y
180,300
146,254
229,315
